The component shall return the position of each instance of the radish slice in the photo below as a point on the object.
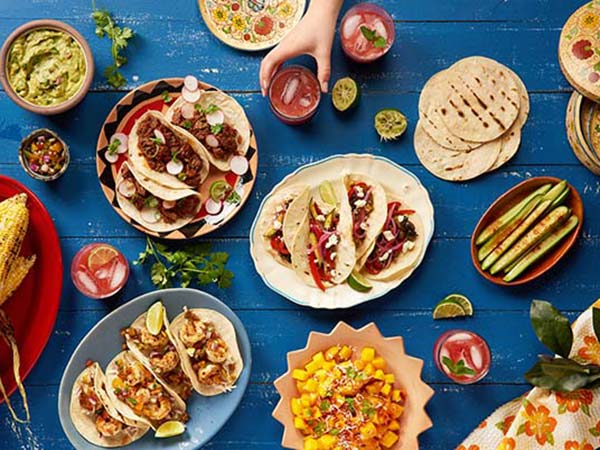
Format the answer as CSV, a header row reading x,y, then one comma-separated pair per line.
x,y
190,83
212,141
215,118
150,215
169,204
111,157
187,111
160,136
123,139
174,167
239,165
190,96
213,208
127,189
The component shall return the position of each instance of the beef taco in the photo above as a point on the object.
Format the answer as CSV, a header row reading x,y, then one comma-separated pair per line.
x,y
323,253
368,206
217,122
209,351
152,205
159,353
140,395
278,227
93,415
398,246
166,154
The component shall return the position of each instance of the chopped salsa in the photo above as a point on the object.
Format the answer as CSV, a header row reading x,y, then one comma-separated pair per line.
x,y
45,155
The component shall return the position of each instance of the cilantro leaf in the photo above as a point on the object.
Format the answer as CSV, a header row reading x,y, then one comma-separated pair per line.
x,y
380,42
166,96
457,368
216,129
368,33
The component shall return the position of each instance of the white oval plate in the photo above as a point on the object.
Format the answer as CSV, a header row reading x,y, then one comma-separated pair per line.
x,y
395,180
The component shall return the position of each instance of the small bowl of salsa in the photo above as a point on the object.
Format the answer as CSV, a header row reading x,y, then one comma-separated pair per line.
x,y
46,67
44,155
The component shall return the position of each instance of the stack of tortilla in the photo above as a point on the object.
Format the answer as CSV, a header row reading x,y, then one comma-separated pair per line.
x,y
470,119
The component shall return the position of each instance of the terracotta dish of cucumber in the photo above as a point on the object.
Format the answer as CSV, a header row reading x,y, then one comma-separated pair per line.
x,y
527,231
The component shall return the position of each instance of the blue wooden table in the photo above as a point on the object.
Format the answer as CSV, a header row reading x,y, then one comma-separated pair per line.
x,y
172,40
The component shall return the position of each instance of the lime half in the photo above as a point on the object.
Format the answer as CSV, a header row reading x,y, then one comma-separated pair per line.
x,y
328,193
359,283
155,318
345,94
170,429
390,124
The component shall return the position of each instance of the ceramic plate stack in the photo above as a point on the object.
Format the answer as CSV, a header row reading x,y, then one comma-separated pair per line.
x,y
470,119
579,57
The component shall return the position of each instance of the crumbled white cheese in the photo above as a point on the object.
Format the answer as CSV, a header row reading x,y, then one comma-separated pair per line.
x,y
408,246
277,224
385,256
333,240
321,218
364,226
279,209
401,218
360,192
333,255
360,203
388,235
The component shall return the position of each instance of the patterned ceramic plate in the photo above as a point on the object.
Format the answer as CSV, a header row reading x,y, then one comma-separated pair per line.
x,y
158,95
251,24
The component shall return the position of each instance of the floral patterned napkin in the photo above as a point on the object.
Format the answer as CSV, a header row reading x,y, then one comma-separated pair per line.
x,y
543,419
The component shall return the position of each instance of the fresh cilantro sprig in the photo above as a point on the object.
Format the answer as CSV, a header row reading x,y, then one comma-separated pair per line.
x,y
372,36
166,97
113,147
192,264
106,26
457,368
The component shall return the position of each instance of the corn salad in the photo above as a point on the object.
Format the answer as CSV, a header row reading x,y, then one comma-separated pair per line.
x,y
347,403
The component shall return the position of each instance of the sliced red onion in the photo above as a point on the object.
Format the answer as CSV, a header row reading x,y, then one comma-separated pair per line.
x,y
169,204
213,208
215,118
212,141
188,110
123,139
190,96
190,82
127,188
150,215
239,165
158,135
174,167
112,157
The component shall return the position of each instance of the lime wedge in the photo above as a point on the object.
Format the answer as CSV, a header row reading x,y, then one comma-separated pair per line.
x,y
328,193
390,124
218,190
359,283
170,429
461,300
155,318
448,311
345,94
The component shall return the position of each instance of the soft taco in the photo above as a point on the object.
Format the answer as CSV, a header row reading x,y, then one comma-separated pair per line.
x,y
159,353
152,205
323,253
93,415
398,246
209,351
281,216
166,154
141,396
368,205
217,122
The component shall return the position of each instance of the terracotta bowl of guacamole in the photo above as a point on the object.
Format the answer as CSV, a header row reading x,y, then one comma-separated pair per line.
x,y
46,66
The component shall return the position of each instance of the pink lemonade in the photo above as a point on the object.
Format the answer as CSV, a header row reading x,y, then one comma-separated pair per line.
x,y
99,270
294,94
367,32
462,356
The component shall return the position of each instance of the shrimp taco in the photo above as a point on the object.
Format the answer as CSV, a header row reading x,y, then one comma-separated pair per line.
x,y
217,122
159,353
280,220
93,415
399,245
323,253
368,206
168,155
152,205
209,351
140,395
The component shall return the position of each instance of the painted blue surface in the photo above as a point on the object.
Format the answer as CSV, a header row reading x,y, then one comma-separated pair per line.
x,y
431,34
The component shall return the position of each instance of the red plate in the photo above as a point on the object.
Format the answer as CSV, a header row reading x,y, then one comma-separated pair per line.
x,y
33,308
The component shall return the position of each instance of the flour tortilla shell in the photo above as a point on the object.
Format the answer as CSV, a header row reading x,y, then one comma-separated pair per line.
x,y
481,100
510,143
454,166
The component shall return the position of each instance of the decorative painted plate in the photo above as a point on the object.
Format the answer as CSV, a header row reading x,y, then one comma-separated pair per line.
x,y
579,50
33,307
251,24
151,96
103,342
395,180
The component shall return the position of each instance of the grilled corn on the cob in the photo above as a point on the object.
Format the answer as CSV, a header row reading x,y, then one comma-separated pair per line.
x,y
16,275
14,220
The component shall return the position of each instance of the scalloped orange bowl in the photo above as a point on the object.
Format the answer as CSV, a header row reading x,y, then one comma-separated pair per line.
x,y
406,369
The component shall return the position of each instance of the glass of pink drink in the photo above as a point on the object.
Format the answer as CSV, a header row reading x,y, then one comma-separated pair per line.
x,y
462,356
99,270
294,94
367,32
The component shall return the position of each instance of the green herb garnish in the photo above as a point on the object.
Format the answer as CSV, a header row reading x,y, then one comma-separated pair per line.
x,y
233,198
324,406
157,141
372,36
113,147
320,428
193,263
166,96
132,400
216,129
457,368
211,109
187,124
367,409
152,202
350,402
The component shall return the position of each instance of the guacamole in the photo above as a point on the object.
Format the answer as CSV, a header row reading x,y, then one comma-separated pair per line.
x,y
46,67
